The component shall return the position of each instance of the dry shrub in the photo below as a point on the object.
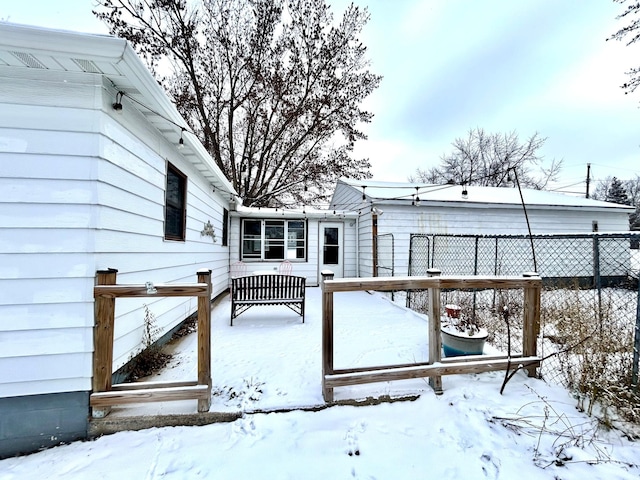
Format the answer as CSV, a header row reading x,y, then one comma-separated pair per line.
x,y
593,341
150,358
587,340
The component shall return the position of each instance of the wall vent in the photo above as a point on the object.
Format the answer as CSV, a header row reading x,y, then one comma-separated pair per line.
x,y
87,65
28,59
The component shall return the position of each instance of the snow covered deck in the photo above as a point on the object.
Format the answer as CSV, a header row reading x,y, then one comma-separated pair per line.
x,y
269,360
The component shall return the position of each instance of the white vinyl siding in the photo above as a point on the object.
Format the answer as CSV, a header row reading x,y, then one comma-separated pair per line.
x,y
82,189
404,221
307,268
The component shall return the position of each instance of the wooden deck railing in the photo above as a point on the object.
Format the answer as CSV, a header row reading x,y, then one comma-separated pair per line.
x,y
436,366
105,394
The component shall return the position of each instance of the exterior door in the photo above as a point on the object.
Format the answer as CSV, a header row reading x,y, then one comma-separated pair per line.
x,y
331,254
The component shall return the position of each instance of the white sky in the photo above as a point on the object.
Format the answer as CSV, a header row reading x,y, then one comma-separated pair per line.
x,y
531,66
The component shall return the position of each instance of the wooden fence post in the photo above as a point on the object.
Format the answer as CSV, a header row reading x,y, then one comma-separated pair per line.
x,y
327,336
204,340
435,340
104,314
531,321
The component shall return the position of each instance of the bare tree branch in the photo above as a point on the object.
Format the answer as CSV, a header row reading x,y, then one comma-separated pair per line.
x,y
486,158
272,88
631,33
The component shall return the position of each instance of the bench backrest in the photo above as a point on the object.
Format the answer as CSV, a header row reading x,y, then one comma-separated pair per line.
x,y
268,287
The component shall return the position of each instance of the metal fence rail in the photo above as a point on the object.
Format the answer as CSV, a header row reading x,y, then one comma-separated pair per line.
x,y
385,258
385,266
590,300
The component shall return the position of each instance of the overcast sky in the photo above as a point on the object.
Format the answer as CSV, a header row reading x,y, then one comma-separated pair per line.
x,y
448,66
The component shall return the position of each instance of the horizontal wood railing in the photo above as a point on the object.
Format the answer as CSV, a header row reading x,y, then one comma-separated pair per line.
x,y
105,394
436,366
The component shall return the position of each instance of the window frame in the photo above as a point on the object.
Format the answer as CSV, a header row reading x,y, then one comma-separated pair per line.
x,y
225,227
284,242
181,205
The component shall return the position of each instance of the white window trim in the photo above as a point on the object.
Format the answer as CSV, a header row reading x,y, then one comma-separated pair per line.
x,y
263,239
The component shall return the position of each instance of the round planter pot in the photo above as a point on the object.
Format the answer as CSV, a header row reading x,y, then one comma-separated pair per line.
x,y
455,343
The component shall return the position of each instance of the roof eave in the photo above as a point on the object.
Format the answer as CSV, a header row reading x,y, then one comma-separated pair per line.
x,y
463,204
105,48
150,89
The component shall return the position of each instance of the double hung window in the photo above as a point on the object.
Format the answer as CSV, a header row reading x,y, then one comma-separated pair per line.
x,y
175,209
274,239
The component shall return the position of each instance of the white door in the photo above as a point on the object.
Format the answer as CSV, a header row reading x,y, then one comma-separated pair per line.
x,y
331,254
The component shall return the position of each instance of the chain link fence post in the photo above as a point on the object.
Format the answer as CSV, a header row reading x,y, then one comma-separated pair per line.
x,y
636,341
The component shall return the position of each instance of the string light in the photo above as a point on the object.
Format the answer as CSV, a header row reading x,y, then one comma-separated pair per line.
x,y
117,105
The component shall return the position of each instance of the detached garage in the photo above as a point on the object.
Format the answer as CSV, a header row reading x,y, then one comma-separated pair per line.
x,y
391,212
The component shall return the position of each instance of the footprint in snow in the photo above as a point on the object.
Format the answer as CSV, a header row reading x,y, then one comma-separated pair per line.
x,y
353,448
490,467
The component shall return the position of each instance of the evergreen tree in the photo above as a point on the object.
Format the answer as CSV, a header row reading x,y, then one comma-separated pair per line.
x,y
617,193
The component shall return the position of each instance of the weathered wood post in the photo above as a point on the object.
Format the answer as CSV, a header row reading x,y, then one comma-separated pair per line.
x,y
204,340
327,335
435,340
531,321
104,318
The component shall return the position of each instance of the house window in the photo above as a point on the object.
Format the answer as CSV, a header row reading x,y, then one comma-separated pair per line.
x,y
274,239
175,209
225,227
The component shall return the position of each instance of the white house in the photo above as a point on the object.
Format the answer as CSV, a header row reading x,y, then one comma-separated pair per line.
x,y
312,240
92,177
98,170
398,210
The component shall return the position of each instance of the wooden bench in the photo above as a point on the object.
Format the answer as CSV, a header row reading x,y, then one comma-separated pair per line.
x,y
267,289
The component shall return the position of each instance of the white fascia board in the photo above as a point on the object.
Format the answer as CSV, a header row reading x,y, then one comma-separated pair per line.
x,y
38,40
272,213
485,205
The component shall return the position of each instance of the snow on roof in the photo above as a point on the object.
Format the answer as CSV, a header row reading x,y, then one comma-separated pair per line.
x,y
307,212
393,191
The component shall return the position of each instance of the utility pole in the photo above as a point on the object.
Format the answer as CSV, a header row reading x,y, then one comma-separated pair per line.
x,y
588,178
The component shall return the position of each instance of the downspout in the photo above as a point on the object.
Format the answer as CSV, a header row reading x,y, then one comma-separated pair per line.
x,y
358,246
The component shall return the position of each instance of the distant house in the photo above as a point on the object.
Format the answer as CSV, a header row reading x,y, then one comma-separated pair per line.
x,y
390,212
92,177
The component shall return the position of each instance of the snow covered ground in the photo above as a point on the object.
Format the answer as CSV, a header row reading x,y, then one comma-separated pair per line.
x,y
269,360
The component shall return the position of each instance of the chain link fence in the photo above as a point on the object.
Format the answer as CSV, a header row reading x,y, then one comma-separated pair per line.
x,y
590,315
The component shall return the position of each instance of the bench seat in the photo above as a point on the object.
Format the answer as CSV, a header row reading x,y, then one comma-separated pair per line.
x,y
267,289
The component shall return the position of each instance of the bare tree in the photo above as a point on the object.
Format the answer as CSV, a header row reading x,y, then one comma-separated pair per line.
x,y
631,33
602,188
272,88
486,158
